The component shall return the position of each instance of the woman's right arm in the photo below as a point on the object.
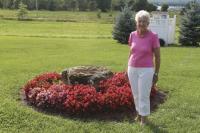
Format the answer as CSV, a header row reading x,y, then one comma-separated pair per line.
x,y
128,60
129,44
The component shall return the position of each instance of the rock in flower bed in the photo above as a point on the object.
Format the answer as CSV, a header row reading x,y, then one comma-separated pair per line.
x,y
48,91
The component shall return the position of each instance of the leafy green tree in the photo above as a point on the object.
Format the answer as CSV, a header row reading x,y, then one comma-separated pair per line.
x,y
5,3
74,5
104,5
140,5
43,4
150,7
83,5
66,5
92,5
190,26
52,5
164,7
124,25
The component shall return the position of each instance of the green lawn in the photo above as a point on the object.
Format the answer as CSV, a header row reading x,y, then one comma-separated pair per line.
x,y
62,16
48,47
55,29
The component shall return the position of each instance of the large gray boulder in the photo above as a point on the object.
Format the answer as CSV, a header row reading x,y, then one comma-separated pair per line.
x,y
85,75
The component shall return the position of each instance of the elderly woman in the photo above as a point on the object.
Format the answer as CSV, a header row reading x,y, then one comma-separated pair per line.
x,y
144,46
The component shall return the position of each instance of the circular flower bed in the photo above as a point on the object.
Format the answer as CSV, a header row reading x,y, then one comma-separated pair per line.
x,y
49,92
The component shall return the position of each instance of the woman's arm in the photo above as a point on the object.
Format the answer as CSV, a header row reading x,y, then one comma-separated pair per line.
x,y
157,64
129,44
126,71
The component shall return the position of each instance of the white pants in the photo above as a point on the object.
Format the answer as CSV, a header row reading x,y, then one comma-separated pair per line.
x,y
140,79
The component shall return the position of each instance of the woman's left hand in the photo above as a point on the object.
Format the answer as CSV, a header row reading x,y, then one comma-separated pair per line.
x,y
155,79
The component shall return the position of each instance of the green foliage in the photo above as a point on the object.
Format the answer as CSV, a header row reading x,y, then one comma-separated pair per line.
x,y
78,5
135,5
183,10
120,4
164,7
82,5
190,26
22,12
151,7
52,5
131,4
99,13
74,5
92,5
104,5
140,5
124,25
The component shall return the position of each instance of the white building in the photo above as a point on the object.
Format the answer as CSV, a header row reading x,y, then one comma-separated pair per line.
x,y
171,2
164,26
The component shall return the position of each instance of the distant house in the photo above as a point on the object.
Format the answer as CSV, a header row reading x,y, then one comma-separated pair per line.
x,y
171,2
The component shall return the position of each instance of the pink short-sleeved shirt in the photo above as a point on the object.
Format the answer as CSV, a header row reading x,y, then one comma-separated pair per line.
x,y
142,49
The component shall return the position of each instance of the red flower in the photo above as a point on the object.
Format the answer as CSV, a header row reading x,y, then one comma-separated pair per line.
x,y
47,91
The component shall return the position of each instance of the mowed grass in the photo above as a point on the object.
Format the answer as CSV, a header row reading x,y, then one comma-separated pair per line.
x,y
73,16
55,29
22,57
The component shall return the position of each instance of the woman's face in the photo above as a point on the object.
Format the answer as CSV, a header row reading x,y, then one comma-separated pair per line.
x,y
142,24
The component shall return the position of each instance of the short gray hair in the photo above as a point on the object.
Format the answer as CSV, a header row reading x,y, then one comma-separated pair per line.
x,y
142,14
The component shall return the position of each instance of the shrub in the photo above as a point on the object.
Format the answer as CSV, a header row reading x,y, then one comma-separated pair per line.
x,y
124,25
190,25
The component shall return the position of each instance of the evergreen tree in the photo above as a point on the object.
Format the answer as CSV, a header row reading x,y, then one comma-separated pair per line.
x,y
190,26
131,4
121,4
22,12
124,25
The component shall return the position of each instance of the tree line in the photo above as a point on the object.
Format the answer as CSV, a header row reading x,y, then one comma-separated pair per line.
x,y
78,5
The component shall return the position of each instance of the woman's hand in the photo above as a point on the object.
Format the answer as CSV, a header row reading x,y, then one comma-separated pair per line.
x,y
157,65
155,79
